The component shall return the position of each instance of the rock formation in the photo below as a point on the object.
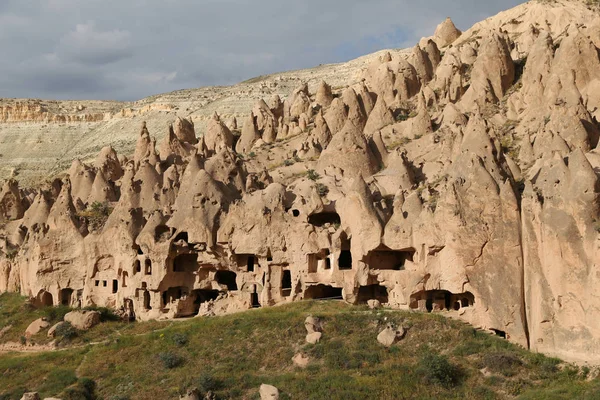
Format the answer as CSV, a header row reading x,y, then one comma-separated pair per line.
x,y
462,181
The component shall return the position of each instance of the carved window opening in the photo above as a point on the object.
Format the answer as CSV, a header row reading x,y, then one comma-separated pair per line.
x,y
345,259
372,292
286,283
386,259
227,278
66,296
438,300
325,292
325,218
185,263
147,305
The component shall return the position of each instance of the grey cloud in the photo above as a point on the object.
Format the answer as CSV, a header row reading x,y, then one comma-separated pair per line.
x,y
88,45
130,49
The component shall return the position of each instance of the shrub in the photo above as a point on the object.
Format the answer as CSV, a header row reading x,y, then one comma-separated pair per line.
x,y
56,314
438,370
313,175
96,215
170,360
502,362
208,383
180,339
106,314
252,154
288,163
322,190
66,331
84,390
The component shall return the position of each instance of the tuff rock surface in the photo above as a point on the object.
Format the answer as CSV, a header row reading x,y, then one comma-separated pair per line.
x,y
459,176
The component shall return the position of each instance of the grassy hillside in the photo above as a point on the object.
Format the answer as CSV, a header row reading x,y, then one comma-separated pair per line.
x,y
233,355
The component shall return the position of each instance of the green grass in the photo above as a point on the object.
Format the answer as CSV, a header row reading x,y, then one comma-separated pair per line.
x,y
233,355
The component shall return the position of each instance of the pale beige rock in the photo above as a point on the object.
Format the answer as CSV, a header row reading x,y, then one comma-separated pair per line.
x,y
324,97
31,396
374,304
314,338
446,33
52,330
268,392
83,320
390,335
36,327
301,360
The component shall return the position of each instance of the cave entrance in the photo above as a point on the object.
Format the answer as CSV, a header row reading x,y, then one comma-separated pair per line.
x,y
323,292
201,296
254,298
386,259
185,263
286,283
115,286
172,294
373,292
318,262
147,299
227,278
438,300
345,259
246,260
148,267
181,236
65,296
325,218
162,233
45,299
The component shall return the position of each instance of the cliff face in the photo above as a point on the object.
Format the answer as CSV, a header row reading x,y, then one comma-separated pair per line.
x,y
459,176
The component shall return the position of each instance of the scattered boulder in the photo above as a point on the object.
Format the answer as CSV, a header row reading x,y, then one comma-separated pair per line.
x,y
36,327
83,320
268,392
300,360
390,335
191,394
374,304
31,396
314,338
52,330
313,324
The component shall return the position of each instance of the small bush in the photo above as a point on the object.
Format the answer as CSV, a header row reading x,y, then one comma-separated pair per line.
x,y
170,360
180,339
84,390
106,314
66,331
96,215
57,313
208,383
313,175
502,362
322,190
438,370
288,163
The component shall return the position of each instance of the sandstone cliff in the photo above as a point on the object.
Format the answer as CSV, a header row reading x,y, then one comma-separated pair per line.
x,y
460,176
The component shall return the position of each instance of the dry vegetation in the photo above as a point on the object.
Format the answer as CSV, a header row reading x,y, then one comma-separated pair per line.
x,y
231,356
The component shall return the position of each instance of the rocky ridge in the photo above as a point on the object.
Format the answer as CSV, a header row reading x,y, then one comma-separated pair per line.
x,y
460,176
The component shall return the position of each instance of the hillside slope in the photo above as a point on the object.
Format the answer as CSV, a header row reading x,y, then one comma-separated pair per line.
x,y
459,177
232,356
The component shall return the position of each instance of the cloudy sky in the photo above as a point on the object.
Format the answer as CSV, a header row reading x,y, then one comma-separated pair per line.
x,y
129,49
